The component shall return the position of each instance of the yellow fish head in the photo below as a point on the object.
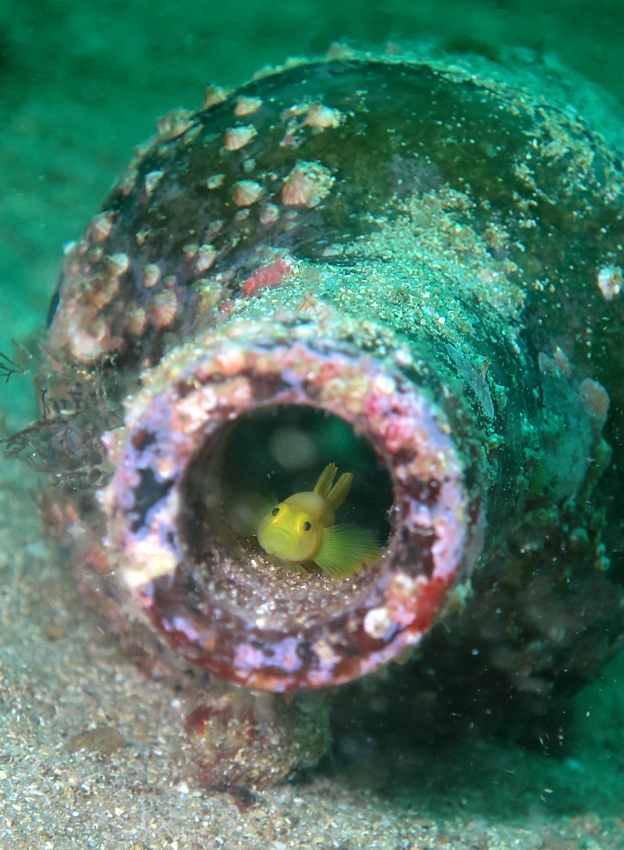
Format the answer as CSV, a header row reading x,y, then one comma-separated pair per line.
x,y
290,532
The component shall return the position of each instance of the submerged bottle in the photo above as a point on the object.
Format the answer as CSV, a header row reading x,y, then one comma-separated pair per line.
x,y
408,267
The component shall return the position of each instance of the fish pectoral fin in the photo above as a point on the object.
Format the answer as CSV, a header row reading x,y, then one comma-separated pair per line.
x,y
340,490
346,549
326,479
266,502
263,503
296,567
245,511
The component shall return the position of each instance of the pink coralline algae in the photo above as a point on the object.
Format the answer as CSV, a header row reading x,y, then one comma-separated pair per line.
x,y
168,427
437,301
270,275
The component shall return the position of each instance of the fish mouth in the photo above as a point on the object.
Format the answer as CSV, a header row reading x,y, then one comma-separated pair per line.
x,y
279,539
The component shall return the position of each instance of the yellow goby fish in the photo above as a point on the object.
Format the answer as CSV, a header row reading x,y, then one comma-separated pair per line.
x,y
301,530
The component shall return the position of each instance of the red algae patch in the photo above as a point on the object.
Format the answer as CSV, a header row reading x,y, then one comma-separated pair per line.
x,y
269,276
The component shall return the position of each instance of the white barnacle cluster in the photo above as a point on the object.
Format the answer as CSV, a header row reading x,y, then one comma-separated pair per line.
x,y
609,280
307,185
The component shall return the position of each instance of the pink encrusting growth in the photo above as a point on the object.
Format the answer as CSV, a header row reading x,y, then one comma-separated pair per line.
x,y
268,276
169,429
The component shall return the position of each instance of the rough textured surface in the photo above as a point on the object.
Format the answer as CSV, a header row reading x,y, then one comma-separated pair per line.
x,y
430,230
83,763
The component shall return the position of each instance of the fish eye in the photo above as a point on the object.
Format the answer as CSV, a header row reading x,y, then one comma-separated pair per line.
x,y
275,512
306,525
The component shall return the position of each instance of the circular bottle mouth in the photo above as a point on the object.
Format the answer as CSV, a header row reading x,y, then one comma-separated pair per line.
x,y
222,430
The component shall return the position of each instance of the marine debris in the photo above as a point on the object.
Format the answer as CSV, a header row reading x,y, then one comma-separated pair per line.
x,y
406,266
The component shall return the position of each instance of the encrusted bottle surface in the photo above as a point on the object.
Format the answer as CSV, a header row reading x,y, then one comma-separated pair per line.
x,y
410,264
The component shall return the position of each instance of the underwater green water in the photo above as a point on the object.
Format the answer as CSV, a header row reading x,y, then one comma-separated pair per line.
x,y
82,82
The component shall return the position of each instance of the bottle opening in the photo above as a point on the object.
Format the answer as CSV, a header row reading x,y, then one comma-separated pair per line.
x,y
226,433
243,473
275,452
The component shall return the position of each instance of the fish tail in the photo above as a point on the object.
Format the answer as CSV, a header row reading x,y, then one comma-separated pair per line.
x,y
340,490
346,549
326,479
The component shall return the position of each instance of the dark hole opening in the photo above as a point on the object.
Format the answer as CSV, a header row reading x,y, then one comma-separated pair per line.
x,y
266,454
282,450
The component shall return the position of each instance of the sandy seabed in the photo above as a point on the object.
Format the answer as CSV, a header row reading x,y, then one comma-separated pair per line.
x,y
93,754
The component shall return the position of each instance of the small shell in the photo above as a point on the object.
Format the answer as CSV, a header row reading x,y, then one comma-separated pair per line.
x,y
609,279
377,623
128,181
209,294
151,275
95,255
237,137
102,292
118,264
192,134
142,234
323,117
247,106
247,192
269,214
137,319
87,344
214,95
385,384
151,179
206,256
307,184
165,309
190,250
101,226
215,181
214,228
173,124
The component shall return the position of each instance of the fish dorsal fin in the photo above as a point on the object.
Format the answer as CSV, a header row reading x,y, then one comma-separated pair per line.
x,y
326,479
340,490
346,548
